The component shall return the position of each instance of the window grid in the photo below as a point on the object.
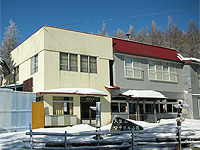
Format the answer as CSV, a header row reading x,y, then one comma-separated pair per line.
x,y
162,71
34,64
88,64
133,67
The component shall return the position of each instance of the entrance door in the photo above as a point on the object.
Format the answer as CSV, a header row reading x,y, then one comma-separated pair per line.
x,y
88,115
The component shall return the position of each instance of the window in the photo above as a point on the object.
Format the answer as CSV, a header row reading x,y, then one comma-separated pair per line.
x,y
118,107
73,65
162,71
88,64
84,63
133,67
62,105
68,62
34,64
63,61
39,99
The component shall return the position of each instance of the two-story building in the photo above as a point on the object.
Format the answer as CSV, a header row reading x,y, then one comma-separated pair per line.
x,y
68,70
146,77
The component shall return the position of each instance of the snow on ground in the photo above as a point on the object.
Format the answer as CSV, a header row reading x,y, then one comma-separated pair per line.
x,y
14,140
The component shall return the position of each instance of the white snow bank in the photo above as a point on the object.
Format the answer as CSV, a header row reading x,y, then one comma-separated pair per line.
x,y
14,140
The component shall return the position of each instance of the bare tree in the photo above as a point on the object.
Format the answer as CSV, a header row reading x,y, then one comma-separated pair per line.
x,y
131,31
103,31
193,40
119,34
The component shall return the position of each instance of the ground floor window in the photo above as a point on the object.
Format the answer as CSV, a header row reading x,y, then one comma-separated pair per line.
x,y
119,105
62,105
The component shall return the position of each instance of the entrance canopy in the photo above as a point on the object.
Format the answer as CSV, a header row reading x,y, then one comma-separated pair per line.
x,y
74,91
144,94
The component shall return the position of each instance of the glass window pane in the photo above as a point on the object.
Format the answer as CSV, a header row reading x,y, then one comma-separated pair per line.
x,y
151,64
158,65
169,107
152,74
114,107
136,62
159,75
172,67
129,72
93,65
132,108
123,107
73,62
137,73
128,61
165,66
172,77
166,76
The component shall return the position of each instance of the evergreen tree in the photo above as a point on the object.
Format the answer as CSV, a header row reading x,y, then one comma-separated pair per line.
x,y
9,42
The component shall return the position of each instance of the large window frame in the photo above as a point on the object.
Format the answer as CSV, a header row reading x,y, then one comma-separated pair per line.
x,y
162,71
88,64
34,64
62,105
68,62
132,67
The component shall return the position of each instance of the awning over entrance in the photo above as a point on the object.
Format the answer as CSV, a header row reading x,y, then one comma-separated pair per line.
x,y
144,94
74,91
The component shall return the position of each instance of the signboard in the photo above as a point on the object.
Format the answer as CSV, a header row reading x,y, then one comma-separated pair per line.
x,y
122,124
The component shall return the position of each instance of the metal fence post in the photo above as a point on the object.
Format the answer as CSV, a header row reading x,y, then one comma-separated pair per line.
x,y
31,137
133,139
65,140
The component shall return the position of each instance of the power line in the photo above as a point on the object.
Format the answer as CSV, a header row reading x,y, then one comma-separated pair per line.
x,y
136,16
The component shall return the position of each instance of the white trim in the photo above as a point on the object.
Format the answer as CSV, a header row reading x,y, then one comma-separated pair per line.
x,y
199,106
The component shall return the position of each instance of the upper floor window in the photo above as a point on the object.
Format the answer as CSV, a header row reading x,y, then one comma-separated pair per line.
x,y
162,71
68,62
133,67
88,64
34,64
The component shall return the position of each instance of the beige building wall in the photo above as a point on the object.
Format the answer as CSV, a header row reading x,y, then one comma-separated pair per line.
x,y
48,42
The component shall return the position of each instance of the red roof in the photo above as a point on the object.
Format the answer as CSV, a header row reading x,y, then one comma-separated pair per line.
x,y
130,47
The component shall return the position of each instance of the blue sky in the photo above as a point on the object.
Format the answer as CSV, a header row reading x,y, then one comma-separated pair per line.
x,y
30,15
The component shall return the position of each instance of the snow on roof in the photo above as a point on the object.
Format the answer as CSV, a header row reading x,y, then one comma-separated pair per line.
x,y
144,94
112,87
74,91
188,59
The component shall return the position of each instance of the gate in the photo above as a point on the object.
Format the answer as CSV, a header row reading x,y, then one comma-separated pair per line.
x,y
37,115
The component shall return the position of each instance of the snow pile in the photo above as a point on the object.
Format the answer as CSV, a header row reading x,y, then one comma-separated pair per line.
x,y
79,91
14,140
144,94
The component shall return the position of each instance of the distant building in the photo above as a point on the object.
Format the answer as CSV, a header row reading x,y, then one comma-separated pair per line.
x,y
191,78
